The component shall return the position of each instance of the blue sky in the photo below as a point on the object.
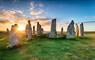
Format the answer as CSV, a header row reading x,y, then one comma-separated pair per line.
x,y
63,10
56,8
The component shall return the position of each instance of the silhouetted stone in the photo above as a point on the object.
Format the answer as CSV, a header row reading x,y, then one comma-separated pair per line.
x,y
62,31
42,30
77,30
29,30
39,30
53,33
81,30
33,30
71,30
7,30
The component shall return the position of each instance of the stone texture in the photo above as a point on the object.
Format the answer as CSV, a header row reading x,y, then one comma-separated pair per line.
x,y
77,30
29,30
53,32
71,30
42,30
33,30
81,30
13,36
39,30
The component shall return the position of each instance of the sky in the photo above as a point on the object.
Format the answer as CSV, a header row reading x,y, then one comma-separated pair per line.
x,y
19,11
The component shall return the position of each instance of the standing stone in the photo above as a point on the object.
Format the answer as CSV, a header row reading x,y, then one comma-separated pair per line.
x,y
71,30
81,30
62,31
29,30
77,30
53,33
14,37
11,36
7,30
33,30
42,30
39,29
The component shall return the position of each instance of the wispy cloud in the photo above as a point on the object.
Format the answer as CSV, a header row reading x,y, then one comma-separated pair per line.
x,y
35,9
89,22
9,17
9,14
37,12
4,21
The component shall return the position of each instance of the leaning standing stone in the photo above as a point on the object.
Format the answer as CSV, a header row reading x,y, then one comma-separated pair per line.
x,y
71,30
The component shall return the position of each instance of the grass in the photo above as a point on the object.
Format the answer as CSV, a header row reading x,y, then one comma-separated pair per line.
x,y
50,49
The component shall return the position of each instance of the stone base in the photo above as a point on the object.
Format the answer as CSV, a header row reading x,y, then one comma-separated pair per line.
x,y
70,36
51,35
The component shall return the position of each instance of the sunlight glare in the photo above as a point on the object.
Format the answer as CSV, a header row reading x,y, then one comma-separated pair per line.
x,y
21,28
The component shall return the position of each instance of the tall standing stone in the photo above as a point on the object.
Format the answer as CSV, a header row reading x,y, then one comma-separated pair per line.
x,y
71,30
77,30
29,30
33,30
53,32
81,30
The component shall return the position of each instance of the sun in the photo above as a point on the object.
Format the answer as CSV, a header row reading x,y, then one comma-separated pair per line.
x,y
21,28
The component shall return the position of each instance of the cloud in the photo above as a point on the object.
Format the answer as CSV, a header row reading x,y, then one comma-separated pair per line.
x,y
9,14
41,5
4,21
9,17
46,23
89,17
89,22
38,15
35,9
40,18
37,12
12,15
32,5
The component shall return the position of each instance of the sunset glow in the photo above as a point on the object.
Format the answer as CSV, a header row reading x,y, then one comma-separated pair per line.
x,y
21,28
44,11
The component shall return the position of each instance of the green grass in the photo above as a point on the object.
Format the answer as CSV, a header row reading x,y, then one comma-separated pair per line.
x,y
50,49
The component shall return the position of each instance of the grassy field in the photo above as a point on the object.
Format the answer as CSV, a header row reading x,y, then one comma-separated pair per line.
x,y
50,49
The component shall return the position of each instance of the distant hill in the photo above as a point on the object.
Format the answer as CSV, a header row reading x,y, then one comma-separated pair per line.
x,y
89,31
